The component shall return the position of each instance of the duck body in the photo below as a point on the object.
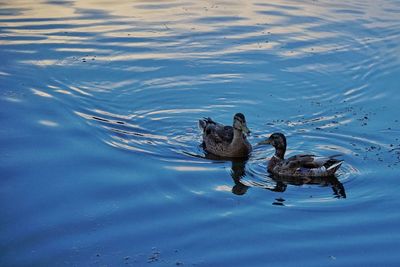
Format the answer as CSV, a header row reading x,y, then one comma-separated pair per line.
x,y
299,165
304,166
226,141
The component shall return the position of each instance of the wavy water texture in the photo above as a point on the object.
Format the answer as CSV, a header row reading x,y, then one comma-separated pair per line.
x,y
101,153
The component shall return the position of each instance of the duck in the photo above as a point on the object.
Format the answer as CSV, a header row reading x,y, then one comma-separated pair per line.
x,y
226,141
306,165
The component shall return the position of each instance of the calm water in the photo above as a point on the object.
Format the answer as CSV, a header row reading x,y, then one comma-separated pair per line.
x,y
100,160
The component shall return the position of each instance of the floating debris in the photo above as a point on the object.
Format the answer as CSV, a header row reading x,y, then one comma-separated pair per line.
x,y
155,256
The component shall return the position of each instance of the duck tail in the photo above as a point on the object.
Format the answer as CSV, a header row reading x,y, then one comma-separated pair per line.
x,y
203,122
334,167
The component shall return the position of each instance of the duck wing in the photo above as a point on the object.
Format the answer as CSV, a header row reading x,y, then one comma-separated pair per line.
x,y
311,161
301,161
225,133
216,131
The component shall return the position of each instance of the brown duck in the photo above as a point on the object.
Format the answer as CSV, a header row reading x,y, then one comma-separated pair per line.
x,y
298,165
226,141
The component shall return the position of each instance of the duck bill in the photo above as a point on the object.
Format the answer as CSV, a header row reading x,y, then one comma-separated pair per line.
x,y
265,142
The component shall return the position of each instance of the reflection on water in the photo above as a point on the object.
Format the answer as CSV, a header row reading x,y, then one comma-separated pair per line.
x,y
238,172
100,155
281,183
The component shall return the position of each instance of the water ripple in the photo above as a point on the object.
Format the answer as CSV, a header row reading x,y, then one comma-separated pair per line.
x,y
115,89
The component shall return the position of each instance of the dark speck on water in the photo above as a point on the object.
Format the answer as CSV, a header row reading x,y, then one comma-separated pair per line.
x,y
101,158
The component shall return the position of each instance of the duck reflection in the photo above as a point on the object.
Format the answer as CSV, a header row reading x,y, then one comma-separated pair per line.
x,y
238,171
332,181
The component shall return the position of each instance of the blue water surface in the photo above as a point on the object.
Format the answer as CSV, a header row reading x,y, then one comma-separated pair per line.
x,y
100,157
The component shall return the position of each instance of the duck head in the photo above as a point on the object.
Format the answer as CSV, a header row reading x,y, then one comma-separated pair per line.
x,y
239,123
278,141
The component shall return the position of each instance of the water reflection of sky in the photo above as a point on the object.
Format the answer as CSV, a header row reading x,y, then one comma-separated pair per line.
x,y
189,29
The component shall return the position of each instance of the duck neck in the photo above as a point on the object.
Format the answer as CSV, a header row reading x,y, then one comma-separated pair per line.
x,y
237,135
280,152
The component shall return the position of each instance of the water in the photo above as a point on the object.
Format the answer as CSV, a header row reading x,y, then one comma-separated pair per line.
x,y
100,159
